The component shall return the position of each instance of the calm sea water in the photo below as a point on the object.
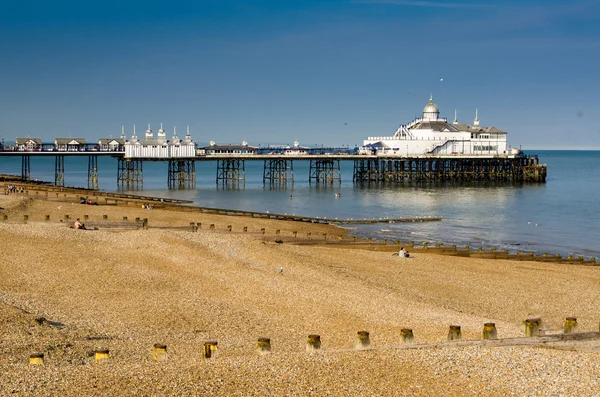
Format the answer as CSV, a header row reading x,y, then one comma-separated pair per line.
x,y
560,216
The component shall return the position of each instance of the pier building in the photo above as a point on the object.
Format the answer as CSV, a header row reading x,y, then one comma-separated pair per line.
x,y
28,144
151,148
434,135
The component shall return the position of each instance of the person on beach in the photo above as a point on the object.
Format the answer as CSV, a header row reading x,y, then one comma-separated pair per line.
x,y
403,253
78,225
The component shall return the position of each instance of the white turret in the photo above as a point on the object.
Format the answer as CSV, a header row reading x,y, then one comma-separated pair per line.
x,y
134,137
431,111
175,139
149,133
188,138
455,119
123,137
476,121
161,135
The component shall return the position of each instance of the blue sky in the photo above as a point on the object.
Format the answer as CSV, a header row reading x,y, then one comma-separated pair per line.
x,y
326,72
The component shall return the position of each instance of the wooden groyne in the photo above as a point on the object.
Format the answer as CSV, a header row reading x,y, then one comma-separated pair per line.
x,y
299,218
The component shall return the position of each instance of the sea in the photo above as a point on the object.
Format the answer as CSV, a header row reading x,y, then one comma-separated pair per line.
x,y
561,216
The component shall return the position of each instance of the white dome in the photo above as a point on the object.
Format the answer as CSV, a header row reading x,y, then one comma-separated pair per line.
x,y
431,107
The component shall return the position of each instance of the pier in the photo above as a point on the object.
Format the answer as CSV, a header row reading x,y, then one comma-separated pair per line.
x,y
324,168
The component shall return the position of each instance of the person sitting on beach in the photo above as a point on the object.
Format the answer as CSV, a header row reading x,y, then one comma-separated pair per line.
x,y
78,225
403,253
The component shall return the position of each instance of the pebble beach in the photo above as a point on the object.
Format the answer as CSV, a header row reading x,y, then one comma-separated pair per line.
x,y
67,293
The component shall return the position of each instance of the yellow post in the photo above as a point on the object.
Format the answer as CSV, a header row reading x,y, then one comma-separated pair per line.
x,y
229,227
160,352
66,218
4,217
325,236
339,236
25,218
212,226
314,343
263,346
262,230
104,218
245,229
295,234
210,348
570,325
407,335
532,326
277,232
454,333
308,235
362,341
36,359
101,355
353,239
489,331
124,219
47,218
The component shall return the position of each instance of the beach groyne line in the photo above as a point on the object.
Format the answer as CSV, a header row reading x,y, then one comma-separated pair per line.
x,y
560,339
333,240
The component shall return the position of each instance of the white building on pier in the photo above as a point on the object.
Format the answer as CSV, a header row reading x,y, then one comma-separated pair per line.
x,y
433,135
160,148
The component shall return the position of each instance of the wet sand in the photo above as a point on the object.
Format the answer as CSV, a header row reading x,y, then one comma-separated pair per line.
x,y
66,293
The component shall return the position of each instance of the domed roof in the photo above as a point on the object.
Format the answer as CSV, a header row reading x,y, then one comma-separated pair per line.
x,y
431,107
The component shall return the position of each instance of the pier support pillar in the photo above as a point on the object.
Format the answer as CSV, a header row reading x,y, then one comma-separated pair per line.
x,y
129,173
182,174
93,172
26,168
366,170
278,171
231,171
59,170
325,170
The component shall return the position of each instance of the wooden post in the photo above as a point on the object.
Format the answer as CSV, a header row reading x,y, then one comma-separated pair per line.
x,y
362,341
454,333
105,218
570,325
263,346
278,232
407,335
210,348
145,223
489,331
137,219
36,359
4,217
245,229
212,226
229,228
313,344
532,326
47,218
308,235
160,352
295,234
262,230
325,236
124,219
101,355
25,218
